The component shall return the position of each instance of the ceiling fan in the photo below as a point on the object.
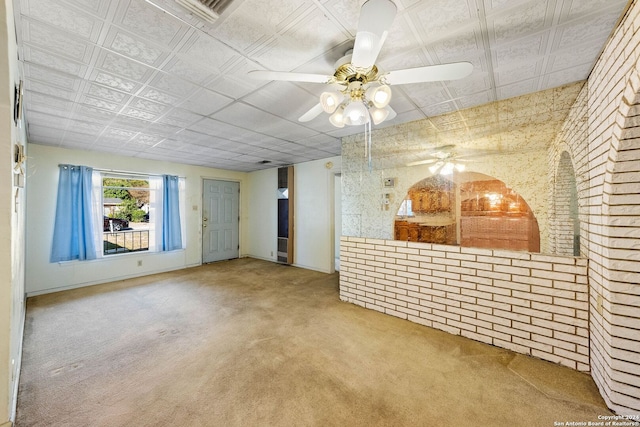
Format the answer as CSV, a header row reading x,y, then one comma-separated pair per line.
x,y
361,92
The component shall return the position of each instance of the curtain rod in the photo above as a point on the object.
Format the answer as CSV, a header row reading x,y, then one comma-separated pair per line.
x,y
127,172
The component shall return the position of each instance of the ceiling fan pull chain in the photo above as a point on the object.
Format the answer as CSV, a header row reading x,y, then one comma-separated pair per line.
x,y
367,137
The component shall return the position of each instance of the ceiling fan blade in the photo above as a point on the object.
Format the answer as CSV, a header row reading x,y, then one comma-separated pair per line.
x,y
312,113
289,77
376,17
431,73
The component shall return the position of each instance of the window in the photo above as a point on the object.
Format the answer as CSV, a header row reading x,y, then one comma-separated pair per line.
x,y
100,214
128,222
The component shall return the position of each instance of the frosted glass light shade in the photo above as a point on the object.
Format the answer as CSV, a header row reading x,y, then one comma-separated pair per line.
x,y
337,118
379,96
330,101
378,115
356,114
447,169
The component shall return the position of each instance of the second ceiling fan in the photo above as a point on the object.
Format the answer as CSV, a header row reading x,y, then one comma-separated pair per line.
x,y
360,91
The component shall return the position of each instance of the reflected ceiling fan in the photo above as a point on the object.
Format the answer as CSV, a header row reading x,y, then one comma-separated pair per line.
x,y
360,91
443,163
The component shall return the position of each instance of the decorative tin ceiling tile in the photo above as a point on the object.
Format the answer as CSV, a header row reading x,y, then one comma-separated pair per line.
x,y
146,105
159,96
100,103
64,18
521,21
150,22
169,83
107,94
134,48
123,66
188,71
50,60
139,114
55,41
54,78
115,82
35,86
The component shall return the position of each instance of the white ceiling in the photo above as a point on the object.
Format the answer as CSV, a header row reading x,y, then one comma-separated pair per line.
x,y
122,76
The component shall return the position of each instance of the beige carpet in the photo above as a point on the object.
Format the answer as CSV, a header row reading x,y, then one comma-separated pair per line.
x,y
253,343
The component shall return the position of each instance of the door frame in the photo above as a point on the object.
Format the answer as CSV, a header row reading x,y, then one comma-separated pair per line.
x,y
200,216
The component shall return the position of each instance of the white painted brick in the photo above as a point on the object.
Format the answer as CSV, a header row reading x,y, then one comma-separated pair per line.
x,y
571,355
477,337
410,251
393,267
419,320
511,300
477,280
579,305
494,319
461,311
446,328
550,308
395,313
493,275
537,281
491,260
477,265
511,254
476,294
446,248
476,251
375,307
433,267
461,256
512,346
371,241
461,270
580,323
552,259
512,270
433,305
446,301
532,329
478,309
571,269
494,334
533,297
565,277
408,263
461,325
416,245
531,264
553,292
408,311
541,347
554,326
554,358
512,332
533,313
580,341
525,288
513,316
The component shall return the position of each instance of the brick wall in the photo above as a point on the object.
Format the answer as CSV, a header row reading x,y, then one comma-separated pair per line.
x,y
601,136
528,303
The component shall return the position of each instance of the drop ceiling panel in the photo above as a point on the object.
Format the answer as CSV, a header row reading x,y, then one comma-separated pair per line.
x,y
126,77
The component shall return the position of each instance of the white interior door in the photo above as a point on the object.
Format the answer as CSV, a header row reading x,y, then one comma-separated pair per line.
x,y
337,215
220,220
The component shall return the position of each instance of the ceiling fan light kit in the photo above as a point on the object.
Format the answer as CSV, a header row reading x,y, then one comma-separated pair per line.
x,y
364,94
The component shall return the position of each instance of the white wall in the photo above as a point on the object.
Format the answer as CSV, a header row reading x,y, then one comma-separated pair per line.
x,y
263,224
43,276
313,214
313,219
12,223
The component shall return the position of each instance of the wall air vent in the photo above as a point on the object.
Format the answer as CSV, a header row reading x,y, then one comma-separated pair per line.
x,y
208,10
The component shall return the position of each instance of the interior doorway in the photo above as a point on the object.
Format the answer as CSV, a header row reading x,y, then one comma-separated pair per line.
x,y
220,220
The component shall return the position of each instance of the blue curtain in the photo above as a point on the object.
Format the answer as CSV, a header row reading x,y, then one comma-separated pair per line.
x,y
73,233
171,229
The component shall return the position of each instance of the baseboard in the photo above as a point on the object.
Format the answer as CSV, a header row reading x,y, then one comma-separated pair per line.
x,y
7,424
